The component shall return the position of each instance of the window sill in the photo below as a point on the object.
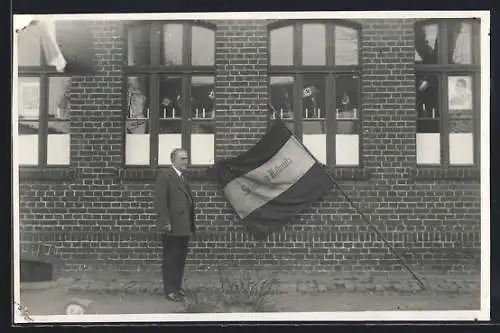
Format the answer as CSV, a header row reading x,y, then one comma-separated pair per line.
x,y
149,173
446,173
203,173
348,173
47,173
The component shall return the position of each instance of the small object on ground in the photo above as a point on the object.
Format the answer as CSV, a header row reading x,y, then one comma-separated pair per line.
x,y
77,306
173,297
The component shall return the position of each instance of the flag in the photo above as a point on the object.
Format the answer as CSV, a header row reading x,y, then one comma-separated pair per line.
x,y
268,184
51,49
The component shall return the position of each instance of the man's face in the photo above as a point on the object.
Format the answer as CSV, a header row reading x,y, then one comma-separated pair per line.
x,y
180,161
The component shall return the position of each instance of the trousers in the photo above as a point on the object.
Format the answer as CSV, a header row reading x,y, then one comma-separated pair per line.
x,y
175,250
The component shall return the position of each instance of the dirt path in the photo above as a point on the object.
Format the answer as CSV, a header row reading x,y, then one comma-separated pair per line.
x,y
52,302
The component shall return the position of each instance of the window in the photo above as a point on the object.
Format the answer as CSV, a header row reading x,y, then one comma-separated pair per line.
x,y
43,106
447,63
315,87
170,84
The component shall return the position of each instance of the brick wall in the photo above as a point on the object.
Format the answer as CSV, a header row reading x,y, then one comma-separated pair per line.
x,y
96,215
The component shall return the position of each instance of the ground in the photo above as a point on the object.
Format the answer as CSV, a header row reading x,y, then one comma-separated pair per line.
x,y
140,293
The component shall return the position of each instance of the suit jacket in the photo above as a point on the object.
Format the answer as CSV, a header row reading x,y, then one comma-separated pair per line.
x,y
174,203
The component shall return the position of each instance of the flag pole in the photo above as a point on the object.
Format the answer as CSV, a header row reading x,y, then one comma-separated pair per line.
x,y
391,249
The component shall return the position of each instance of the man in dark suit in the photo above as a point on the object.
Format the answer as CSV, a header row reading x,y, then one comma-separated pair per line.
x,y
175,208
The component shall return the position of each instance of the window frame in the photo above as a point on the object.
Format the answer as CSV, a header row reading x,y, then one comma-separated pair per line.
x,y
330,71
443,69
153,73
43,72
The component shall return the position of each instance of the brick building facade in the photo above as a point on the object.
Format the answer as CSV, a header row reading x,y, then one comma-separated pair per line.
x,y
98,208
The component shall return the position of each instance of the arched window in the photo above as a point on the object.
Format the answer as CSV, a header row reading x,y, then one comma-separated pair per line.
x,y
170,84
447,64
315,86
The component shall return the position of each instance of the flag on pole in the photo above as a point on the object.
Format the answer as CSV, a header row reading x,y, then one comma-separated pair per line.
x,y
50,47
268,184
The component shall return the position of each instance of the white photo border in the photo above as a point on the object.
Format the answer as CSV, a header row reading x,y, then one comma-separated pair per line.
x,y
481,315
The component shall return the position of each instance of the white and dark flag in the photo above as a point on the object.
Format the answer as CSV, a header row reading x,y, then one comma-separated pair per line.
x,y
70,52
51,49
272,181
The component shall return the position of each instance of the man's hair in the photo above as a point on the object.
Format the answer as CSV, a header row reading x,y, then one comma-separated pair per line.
x,y
175,152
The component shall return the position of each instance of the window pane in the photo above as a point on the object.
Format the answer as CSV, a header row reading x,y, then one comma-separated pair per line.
x,y
459,93
460,43
347,90
29,98
171,112
171,104
139,45
172,44
346,46
29,46
27,149
59,97
426,44
138,105
58,143
313,116
202,97
313,98
347,149
428,124
281,45
282,88
427,87
313,44
202,142
202,126
137,138
202,47
461,123
28,114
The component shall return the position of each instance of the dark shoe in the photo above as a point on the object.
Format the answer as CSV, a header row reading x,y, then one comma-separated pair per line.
x,y
173,297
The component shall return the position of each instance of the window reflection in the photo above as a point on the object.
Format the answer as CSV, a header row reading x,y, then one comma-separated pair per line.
x,y
59,97
313,98
202,97
427,104
203,47
29,98
171,104
138,105
281,44
459,43
346,46
313,44
346,92
459,93
59,105
282,97
426,44
172,44
139,46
